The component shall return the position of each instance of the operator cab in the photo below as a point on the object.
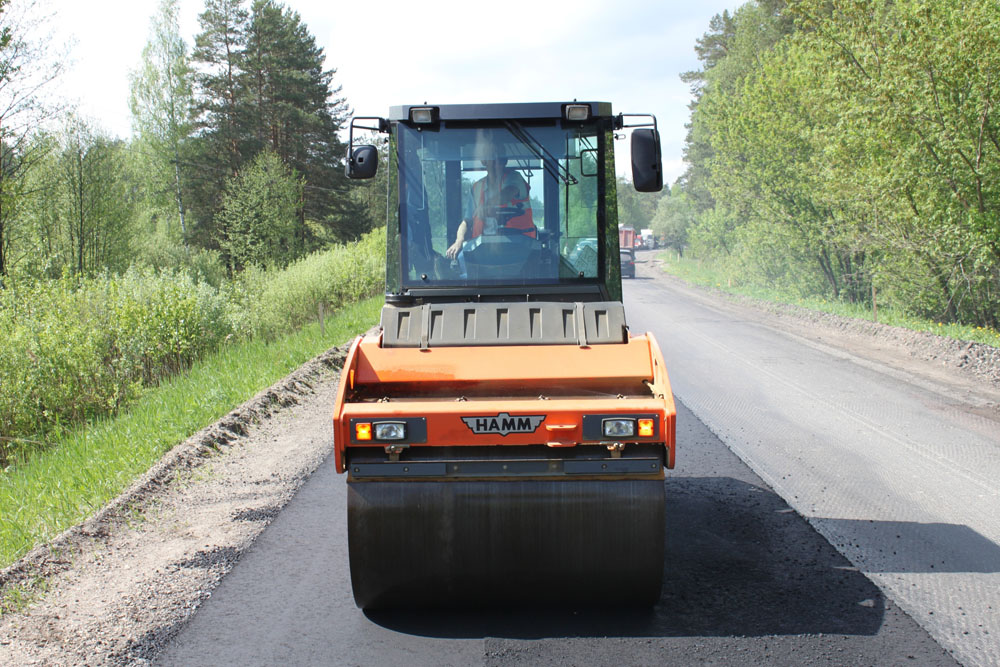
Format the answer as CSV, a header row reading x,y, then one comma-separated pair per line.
x,y
503,202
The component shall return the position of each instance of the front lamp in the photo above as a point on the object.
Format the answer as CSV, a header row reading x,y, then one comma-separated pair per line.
x,y
390,431
619,428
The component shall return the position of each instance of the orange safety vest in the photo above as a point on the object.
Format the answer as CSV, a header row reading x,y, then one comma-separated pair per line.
x,y
523,221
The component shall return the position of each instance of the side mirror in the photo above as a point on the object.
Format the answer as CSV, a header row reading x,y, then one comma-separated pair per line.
x,y
647,166
362,162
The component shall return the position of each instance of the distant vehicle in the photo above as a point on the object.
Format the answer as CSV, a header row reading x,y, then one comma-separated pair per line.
x,y
648,239
626,237
628,264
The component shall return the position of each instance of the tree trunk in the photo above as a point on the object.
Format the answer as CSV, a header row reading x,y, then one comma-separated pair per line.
x,y
831,277
178,197
3,241
79,200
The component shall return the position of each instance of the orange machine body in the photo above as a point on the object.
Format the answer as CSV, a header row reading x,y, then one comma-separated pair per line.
x,y
448,385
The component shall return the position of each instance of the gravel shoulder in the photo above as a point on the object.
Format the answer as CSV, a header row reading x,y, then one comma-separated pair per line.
x,y
115,589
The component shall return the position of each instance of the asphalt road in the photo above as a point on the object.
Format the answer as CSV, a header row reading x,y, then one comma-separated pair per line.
x,y
894,469
895,479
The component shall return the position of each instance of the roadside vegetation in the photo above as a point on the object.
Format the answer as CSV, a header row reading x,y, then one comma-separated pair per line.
x,y
76,349
83,467
150,284
847,153
225,218
709,274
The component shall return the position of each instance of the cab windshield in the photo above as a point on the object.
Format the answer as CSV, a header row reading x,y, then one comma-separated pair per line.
x,y
505,204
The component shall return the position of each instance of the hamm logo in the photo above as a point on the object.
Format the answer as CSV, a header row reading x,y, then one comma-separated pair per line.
x,y
503,424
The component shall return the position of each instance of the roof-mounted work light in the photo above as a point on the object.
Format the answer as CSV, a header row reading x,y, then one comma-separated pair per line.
x,y
423,115
577,112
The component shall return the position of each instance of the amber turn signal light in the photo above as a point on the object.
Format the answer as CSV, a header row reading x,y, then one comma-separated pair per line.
x,y
646,428
363,431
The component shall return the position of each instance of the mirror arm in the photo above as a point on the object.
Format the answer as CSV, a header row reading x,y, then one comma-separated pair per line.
x,y
383,127
620,120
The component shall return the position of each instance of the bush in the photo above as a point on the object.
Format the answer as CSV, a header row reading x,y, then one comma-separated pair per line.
x,y
287,299
72,349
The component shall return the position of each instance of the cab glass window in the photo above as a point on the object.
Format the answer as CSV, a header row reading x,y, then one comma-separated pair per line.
x,y
505,204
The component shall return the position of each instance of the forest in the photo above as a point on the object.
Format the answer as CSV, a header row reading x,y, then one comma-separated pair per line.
x,y
848,149
235,158
225,217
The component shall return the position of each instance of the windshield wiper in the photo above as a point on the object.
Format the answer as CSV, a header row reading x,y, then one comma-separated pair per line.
x,y
559,172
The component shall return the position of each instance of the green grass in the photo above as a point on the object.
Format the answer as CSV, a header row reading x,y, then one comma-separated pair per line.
x,y
702,272
78,472
21,595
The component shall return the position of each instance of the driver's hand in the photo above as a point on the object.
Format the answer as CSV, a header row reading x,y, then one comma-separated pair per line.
x,y
452,252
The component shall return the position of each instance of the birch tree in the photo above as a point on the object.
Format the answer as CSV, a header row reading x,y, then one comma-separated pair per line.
x,y
162,104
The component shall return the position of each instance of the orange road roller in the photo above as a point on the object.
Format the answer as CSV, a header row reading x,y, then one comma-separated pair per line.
x,y
504,435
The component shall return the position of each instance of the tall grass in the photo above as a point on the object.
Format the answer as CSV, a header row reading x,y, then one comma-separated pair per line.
x,y
58,486
705,272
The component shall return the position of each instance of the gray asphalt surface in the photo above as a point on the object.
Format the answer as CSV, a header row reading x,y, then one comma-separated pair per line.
x,y
748,580
896,472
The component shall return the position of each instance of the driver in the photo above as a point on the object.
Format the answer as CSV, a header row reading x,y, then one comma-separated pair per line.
x,y
499,199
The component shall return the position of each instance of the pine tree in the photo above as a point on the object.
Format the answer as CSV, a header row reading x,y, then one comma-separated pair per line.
x,y
297,111
216,153
258,222
263,87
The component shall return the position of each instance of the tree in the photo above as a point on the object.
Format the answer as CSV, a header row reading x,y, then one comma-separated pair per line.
x,y
263,86
853,151
728,51
635,209
711,48
919,143
25,71
674,216
98,209
259,219
161,101
296,111
216,153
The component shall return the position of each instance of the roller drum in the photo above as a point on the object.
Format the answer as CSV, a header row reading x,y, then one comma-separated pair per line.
x,y
506,542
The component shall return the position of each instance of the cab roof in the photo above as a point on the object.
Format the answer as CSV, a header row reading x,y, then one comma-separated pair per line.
x,y
508,110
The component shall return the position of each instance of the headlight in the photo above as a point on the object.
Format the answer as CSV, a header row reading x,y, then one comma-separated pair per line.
x,y
390,431
619,428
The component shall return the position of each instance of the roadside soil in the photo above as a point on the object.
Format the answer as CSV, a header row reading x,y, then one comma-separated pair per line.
x,y
114,590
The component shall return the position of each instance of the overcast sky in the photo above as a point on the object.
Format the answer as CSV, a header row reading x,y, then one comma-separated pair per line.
x,y
388,52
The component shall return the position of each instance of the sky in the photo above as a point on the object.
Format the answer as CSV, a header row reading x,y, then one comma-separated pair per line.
x,y
627,52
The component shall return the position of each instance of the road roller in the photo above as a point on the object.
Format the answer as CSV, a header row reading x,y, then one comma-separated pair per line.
x,y
504,435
